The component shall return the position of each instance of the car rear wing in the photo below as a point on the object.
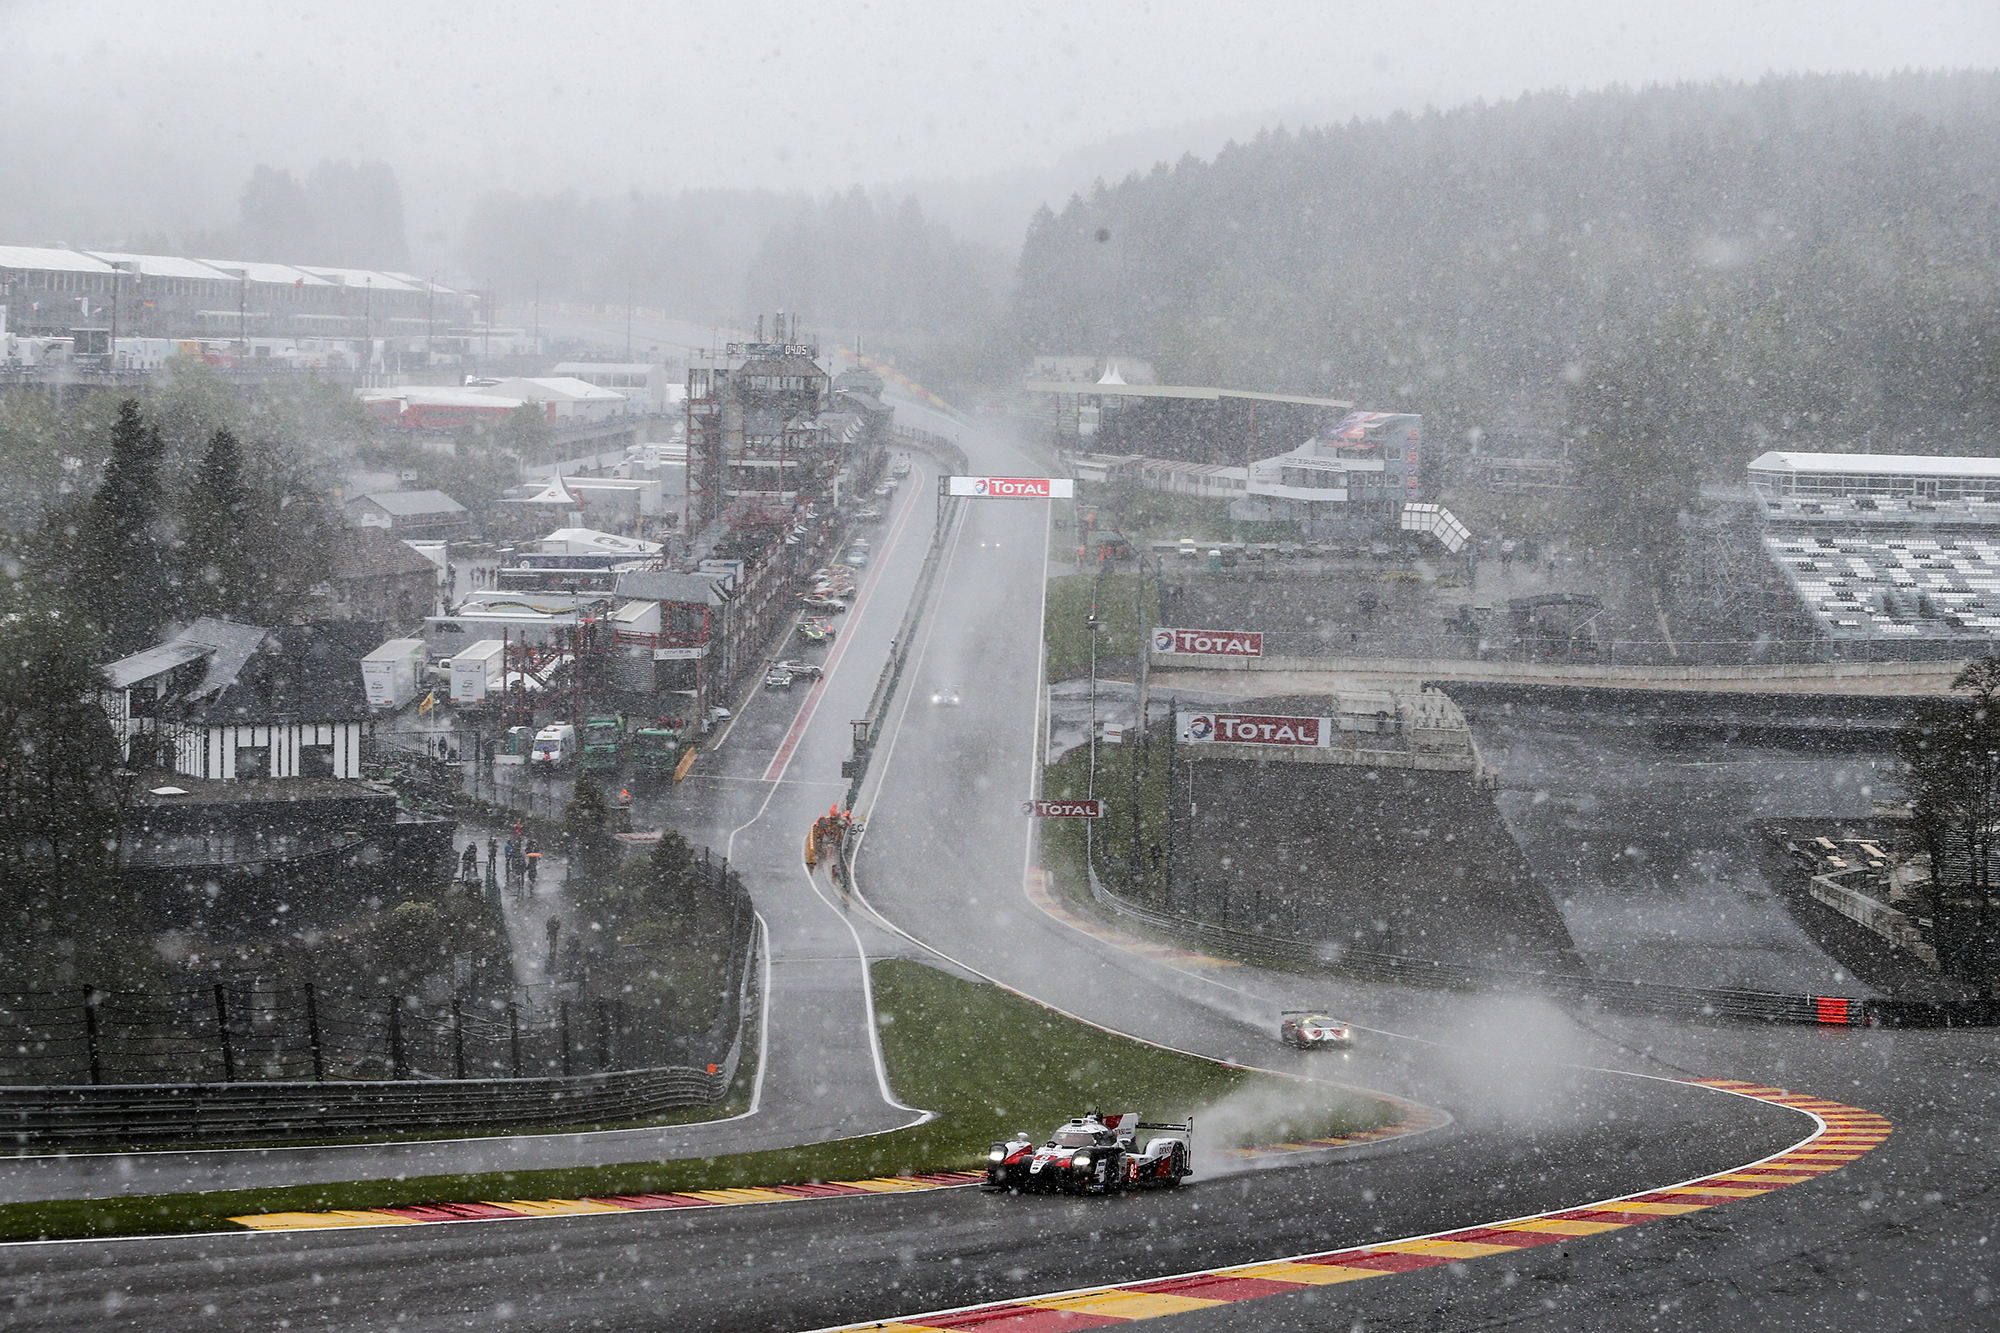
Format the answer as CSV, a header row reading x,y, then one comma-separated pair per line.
x,y
1184,1132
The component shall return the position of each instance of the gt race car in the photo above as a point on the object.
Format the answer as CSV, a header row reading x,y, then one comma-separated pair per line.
x,y
1094,1154
1305,1030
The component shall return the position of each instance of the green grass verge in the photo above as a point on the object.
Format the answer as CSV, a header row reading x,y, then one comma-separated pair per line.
x,y
989,1061
1065,623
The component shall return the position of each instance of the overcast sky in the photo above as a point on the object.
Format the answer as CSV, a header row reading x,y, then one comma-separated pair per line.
x,y
164,107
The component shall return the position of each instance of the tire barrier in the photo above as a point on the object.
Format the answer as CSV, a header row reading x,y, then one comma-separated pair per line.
x,y
241,1112
1646,997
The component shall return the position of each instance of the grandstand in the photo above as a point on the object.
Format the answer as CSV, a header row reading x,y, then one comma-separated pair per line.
x,y
1886,548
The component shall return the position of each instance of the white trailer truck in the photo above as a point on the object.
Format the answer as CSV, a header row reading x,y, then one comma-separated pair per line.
x,y
477,672
390,674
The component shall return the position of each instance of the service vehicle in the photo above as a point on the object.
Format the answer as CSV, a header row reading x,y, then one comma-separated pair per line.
x,y
779,677
1306,1030
603,743
554,748
901,467
655,751
815,631
1094,1154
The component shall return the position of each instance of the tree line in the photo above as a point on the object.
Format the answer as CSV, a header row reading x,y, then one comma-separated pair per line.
x,y
1805,260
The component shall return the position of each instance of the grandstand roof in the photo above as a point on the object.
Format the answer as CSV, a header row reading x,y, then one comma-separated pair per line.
x,y
164,266
256,270
1902,465
35,257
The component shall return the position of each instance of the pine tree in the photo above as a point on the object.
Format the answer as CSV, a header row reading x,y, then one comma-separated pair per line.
x,y
215,574
586,828
123,584
58,807
1950,752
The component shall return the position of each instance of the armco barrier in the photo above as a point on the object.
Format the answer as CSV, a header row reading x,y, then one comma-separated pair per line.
x,y
239,1112
947,452
1633,996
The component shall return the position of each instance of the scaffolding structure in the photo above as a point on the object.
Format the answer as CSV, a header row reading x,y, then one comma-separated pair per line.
x,y
755,447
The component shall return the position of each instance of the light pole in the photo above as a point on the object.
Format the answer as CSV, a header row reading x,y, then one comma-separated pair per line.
x,y
1090,791
1090,623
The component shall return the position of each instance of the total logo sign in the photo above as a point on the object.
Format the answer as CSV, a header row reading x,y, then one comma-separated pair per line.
x,y
1012,488
1209,642
1255,729
1063,809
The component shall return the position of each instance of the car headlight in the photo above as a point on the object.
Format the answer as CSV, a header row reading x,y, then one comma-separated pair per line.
x,y
1081,1161
997,1155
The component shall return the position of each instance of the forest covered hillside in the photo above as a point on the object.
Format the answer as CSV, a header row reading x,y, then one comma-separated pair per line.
x,y
1695,270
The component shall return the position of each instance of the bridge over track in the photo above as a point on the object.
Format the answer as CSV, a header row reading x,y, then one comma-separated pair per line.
x,y
1267,676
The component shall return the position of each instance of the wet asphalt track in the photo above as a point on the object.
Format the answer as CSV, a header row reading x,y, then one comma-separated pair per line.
x,y
1907,1234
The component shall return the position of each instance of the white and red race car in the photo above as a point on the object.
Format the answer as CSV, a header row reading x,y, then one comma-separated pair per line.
x,y
1304,1029
1094,1154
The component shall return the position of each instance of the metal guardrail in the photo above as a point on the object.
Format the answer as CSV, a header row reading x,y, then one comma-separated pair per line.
x,y
1632,996
242,1112
856,769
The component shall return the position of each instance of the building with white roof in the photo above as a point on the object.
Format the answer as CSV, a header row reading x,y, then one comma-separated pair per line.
x,y
1779,475
54,291
569,400
651,388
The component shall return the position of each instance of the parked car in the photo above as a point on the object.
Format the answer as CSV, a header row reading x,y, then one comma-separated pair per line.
x,y
779,677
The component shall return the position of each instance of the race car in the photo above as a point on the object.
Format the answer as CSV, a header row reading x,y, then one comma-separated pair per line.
x,y
1093,1154
1305,1030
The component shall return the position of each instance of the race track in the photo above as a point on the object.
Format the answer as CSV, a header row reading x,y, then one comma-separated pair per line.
x,y
1551,1109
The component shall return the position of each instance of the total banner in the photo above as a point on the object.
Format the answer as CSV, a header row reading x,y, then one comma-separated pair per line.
x,y
1012,488
1093,809
1209,642
1255,729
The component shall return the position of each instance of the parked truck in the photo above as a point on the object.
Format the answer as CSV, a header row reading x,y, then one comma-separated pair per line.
x,y
655,752
603,743
477,672
390,674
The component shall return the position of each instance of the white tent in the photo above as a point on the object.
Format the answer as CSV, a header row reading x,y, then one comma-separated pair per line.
x,y
589,541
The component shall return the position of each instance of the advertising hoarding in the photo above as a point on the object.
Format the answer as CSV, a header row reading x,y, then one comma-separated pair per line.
x,y
1255,729
1012,488
1209,642
1063,809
